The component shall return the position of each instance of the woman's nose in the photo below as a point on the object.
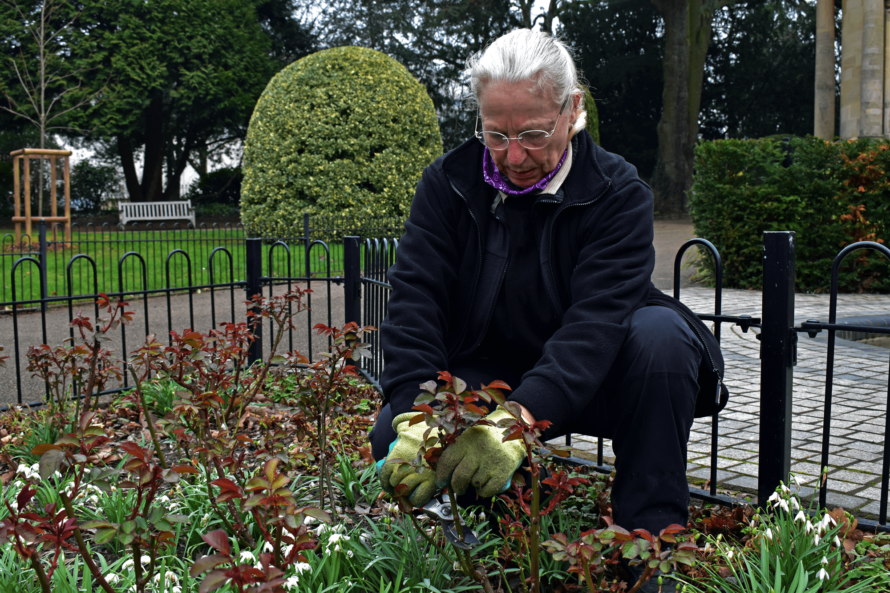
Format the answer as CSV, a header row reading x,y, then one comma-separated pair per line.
x,y
515,152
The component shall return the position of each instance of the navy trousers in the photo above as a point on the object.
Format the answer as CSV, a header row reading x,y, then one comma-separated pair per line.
x,y
645,405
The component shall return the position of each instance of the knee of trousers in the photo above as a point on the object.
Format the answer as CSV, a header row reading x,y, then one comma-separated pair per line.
x,y
660,341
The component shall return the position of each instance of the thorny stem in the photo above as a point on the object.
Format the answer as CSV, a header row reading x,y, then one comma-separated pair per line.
x,y
137,567
148,420
41,575
84,552
534,534
504,578
586,567
242,533
462,557
427,537
643,578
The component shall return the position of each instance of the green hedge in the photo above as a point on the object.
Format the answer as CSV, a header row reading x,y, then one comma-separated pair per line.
x,y
344,131
830,193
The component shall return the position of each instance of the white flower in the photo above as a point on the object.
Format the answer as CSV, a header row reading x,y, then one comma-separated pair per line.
x,y
800,517
292,582
302,567
286,551
267,547
127,563
824,560
784,488
111,578
308,520
784,504
729,554
823,574
794,478
365,538
769,534
774,497
205,519
321,529
145,559
247,556
809,526
457,566
816,539
837,541
795,504
176,589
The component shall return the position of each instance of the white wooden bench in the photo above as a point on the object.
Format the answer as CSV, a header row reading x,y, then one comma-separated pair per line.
x,y
155,211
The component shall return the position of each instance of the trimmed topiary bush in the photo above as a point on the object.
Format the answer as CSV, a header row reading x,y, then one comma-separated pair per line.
x,y
344,131
830,193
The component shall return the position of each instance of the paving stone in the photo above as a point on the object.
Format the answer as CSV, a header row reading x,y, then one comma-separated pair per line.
x,y
742,482
736,453
849,502
705,474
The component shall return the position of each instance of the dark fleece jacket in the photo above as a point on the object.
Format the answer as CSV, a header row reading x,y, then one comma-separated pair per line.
x,y
595,240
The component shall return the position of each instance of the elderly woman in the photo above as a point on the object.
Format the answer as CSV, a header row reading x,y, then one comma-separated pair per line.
x,y
527,257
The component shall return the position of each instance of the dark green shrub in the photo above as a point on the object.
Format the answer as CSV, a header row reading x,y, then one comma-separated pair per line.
x,y
220,187
92,185
830,194
342,131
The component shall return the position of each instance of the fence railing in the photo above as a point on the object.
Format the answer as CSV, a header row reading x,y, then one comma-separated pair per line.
x,y
359,264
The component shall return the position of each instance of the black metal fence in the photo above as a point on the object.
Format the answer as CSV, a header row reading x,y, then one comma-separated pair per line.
x,y
359,263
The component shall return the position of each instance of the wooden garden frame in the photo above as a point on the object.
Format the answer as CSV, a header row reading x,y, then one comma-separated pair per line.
x,y
25,155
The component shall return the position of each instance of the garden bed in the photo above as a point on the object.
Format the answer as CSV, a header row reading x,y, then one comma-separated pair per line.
x,y
215,476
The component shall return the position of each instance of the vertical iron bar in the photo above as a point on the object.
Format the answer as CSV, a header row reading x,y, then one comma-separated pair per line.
x,y
254,273
43,266
352,282
776,351
885,468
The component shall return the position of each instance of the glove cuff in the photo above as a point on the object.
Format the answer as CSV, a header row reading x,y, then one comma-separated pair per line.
x,y
406,417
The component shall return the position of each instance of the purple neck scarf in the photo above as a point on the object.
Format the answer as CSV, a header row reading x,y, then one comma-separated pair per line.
x,y
494,178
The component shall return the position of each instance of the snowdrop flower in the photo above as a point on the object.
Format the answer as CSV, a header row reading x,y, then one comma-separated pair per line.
x,y
292,582
247,556
796,482
822,574
810,526
769,534
111,578
205,519
784,488
308,520
457,566
128,563
365,538
302,567
816,539
784,504
481,516
145,559
774,497
828,521
321,529
729,554
824,560
267,547
800,517
175,589
837,541
286,552
795,504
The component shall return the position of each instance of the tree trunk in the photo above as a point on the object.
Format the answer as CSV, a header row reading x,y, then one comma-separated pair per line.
x,y
125,151
823,119
687,34
155,145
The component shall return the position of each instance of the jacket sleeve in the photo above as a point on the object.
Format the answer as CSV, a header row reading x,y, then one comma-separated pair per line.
x,y
610,281
423,280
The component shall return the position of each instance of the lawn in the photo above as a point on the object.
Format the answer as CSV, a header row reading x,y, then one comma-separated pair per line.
x,y
107,248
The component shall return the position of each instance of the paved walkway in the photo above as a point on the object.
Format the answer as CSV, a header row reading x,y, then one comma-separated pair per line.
x,y
858,408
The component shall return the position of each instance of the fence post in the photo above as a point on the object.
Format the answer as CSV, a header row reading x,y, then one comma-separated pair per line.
x,y
254,269
352,282
43,266
776,362
307,241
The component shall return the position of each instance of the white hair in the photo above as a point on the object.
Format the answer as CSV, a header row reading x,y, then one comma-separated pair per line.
x,y
525,55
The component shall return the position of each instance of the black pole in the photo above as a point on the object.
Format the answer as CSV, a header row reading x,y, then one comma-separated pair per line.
x,y
352,282
254,269
776,362
43,266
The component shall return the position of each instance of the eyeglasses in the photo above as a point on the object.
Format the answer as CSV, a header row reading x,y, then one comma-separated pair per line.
x,y
530,139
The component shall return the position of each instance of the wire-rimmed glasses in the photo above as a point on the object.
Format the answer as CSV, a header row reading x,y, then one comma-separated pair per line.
x,y
530,139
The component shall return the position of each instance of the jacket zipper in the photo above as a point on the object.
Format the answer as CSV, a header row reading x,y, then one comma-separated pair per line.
x,y
558,307
497,292
701,339
478,267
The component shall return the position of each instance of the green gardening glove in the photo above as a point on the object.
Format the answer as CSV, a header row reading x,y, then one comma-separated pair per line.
x,y
421,485
481,458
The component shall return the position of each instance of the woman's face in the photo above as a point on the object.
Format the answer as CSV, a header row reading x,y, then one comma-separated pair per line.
x,y
510,109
